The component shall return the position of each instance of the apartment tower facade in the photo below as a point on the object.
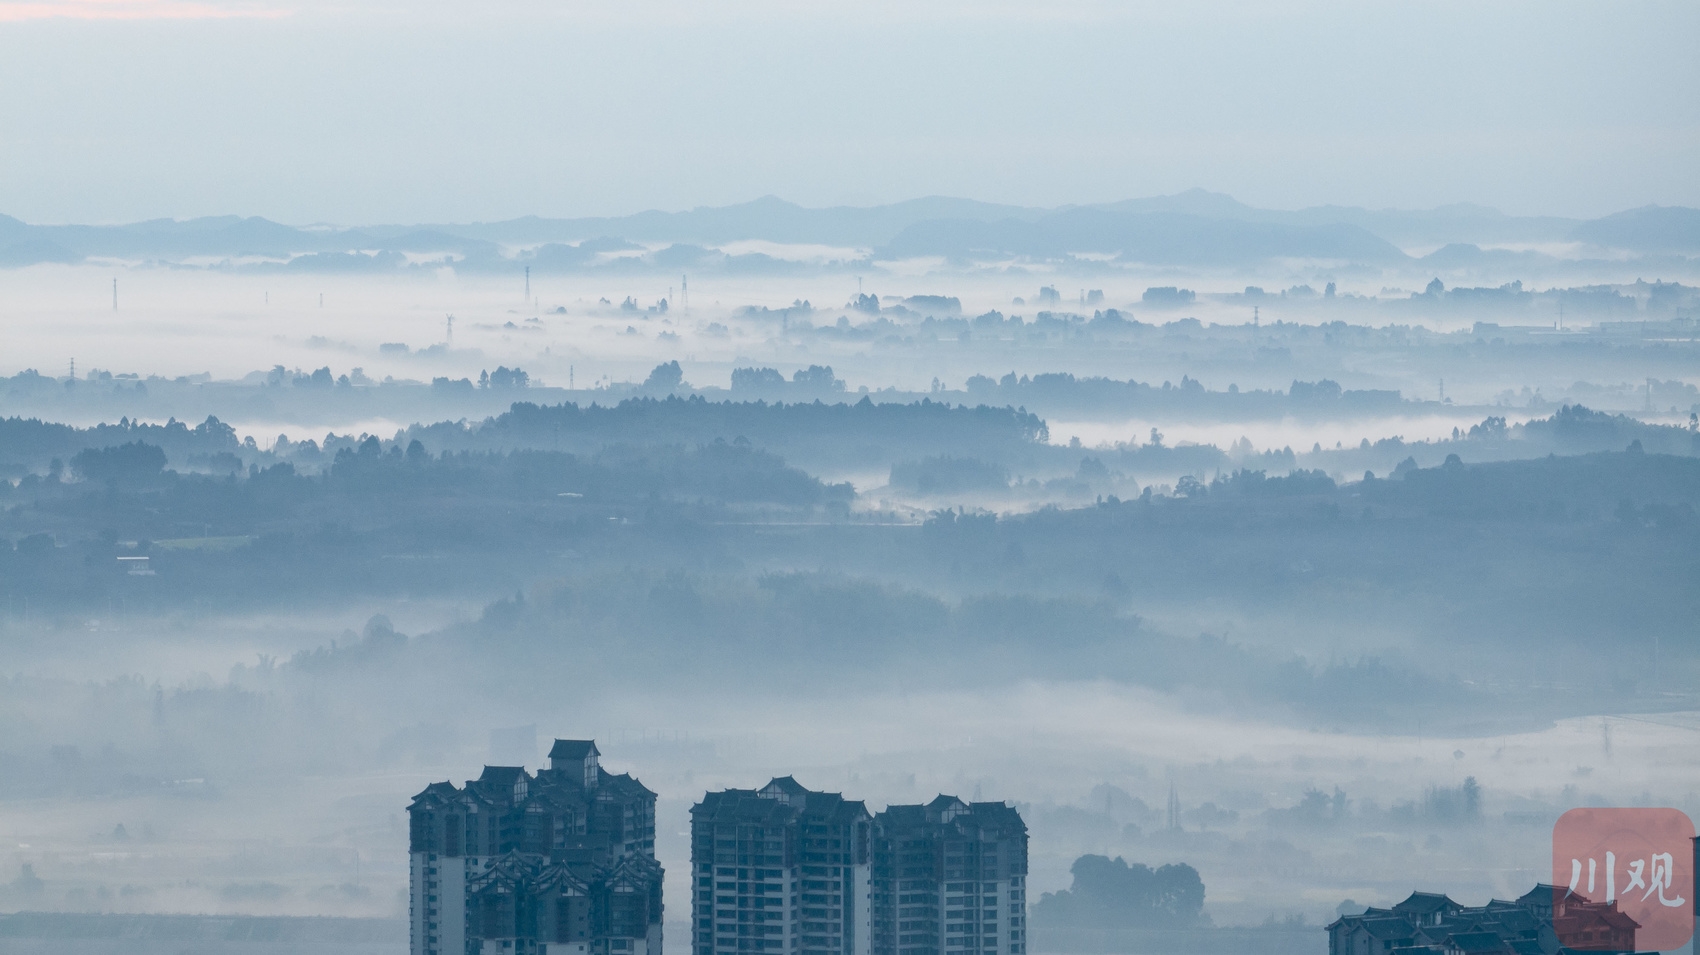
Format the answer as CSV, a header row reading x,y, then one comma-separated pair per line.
x,y
557,863
949,878
780,869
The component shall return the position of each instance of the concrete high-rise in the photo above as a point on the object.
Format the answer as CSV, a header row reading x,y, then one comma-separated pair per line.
x,y
949,878
780,869
557,863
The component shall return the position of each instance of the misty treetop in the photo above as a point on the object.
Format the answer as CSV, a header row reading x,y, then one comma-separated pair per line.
x,y
28,445
1114,894
130,463
815,430
278,531
685,628
1061,391
393,519
1586,552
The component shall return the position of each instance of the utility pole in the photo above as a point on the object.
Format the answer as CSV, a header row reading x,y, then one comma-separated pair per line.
x,y
528,283
684,293
73,369
451,331
115,294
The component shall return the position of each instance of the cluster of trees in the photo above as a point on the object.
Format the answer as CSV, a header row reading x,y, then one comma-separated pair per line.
x,y
1115,894
320,379
1501,557
768,382
131,464
720,472
1461,803
1458,805
1064,392
30,445
912,439
688,627
1571,430
502,379
813,434
379,518
1594,542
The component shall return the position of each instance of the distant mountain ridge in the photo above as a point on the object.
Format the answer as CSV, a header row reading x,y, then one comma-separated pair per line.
x,y
1647,229
1160,238
1195,227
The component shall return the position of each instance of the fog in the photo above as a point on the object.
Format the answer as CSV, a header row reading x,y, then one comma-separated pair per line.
x,y
1057,561
1260,447
1088,763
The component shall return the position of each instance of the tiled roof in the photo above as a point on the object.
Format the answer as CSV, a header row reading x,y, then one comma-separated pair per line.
x,y
437,792
573,749
758,807
742,805
624,783
1506,928
787,785
1426,902
1539,895
502,775
967,816
1476,942
903,816
1389,927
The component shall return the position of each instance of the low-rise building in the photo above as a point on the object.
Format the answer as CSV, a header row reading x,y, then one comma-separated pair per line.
x,y
1543,921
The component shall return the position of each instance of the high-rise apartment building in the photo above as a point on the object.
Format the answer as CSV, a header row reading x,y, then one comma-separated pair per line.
x,y
557,863
949,878
780,869
787,870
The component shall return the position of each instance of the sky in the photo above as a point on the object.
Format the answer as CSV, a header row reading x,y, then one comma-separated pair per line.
x,y
380,111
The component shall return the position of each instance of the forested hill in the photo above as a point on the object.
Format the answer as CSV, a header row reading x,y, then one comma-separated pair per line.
x,y
809,434
1592,542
